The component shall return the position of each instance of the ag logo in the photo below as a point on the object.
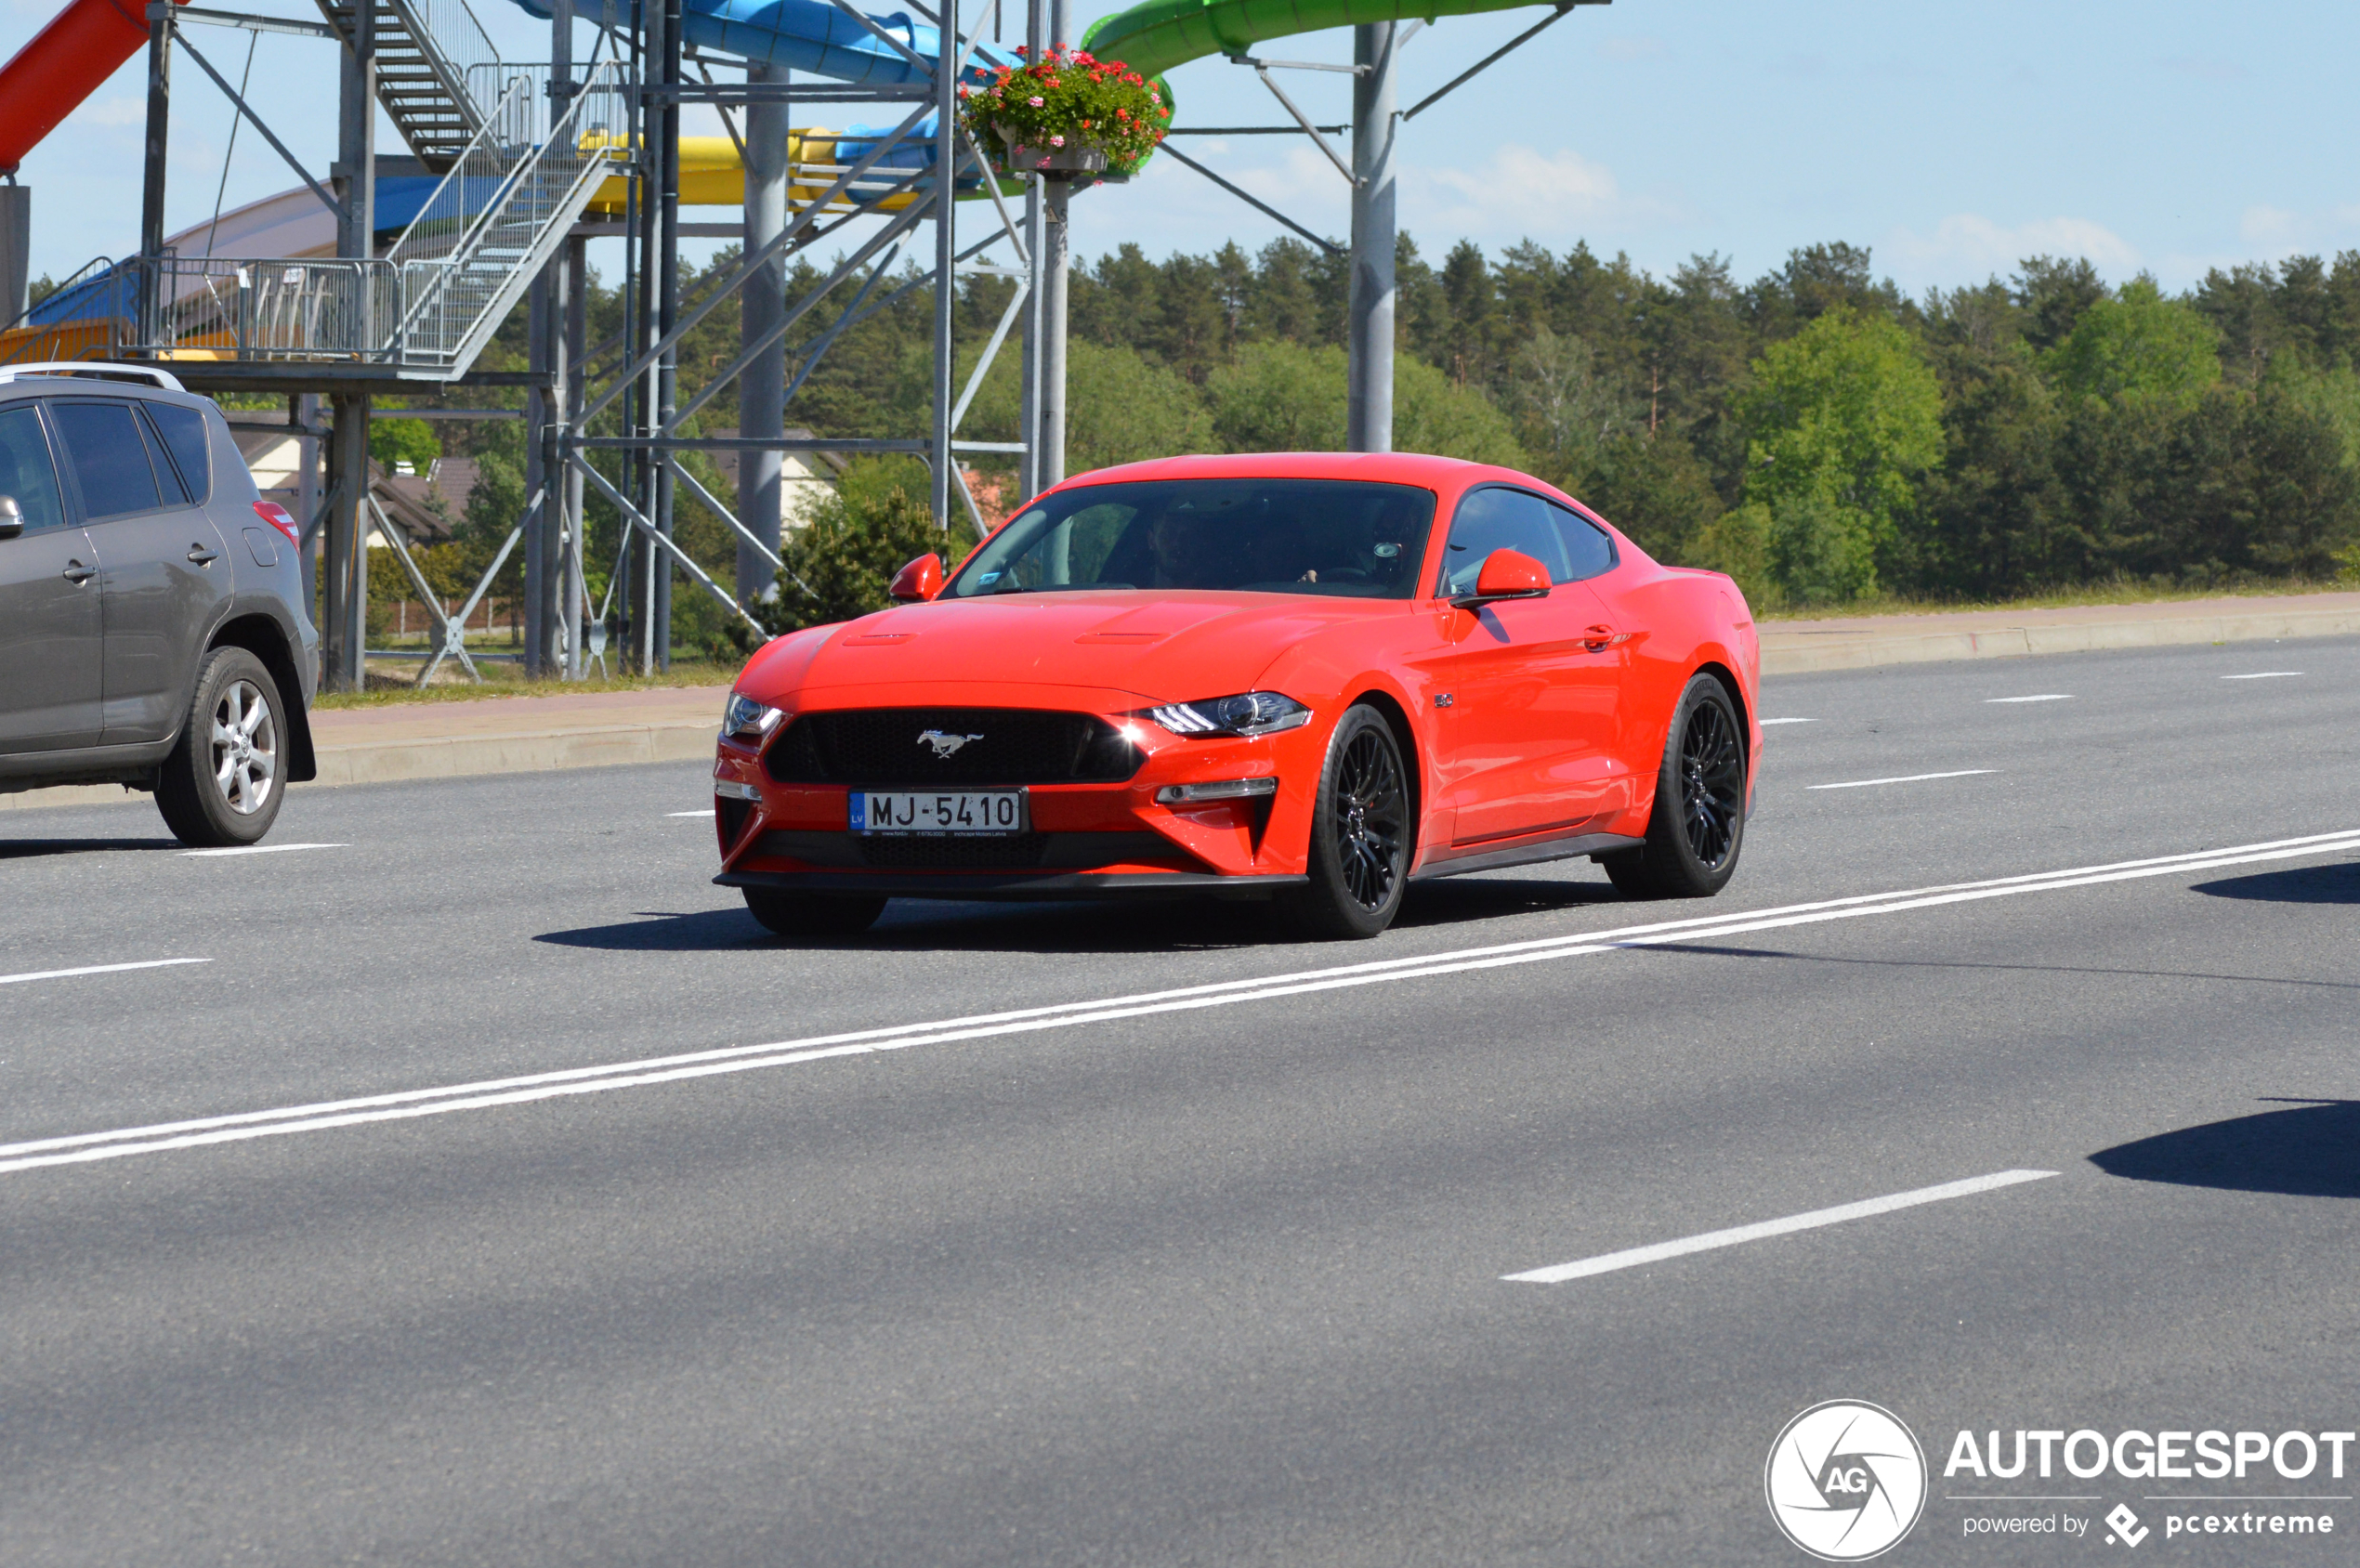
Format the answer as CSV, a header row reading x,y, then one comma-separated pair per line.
x,y
1845,1481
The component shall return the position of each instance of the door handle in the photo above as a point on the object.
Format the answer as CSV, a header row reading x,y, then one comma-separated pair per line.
x,y
202,555
1597,639
78,574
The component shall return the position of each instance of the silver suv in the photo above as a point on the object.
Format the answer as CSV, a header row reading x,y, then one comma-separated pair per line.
x,y
153,630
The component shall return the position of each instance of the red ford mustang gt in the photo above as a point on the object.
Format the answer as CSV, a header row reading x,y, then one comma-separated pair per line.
x,y
1318,678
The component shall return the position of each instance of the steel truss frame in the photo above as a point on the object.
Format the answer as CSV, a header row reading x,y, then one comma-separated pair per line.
x,y
637,388
574,402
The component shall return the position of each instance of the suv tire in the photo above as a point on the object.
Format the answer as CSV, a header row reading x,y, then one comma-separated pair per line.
x,y
222,784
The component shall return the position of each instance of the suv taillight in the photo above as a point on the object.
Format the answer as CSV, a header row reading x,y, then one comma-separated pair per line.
x,y
278,518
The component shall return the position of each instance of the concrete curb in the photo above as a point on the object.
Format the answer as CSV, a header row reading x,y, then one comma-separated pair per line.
x,y
525,752
1804,653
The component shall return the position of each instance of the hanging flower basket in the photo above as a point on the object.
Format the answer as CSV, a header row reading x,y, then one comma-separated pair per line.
x,y
1072,158
1068,112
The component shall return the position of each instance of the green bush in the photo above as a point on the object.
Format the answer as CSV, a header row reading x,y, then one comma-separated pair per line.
x,y
839,565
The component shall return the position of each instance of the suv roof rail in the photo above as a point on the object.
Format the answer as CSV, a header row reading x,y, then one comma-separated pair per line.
x,y
97,370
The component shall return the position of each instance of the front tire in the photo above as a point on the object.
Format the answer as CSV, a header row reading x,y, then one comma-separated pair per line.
x,y
221,786
812,914
1699,821
1362,833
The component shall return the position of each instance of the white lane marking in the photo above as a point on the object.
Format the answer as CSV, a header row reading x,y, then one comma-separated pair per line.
x,y
1738,1234
2043,696
706,812
1767,722
1904,778
2265,675
258,849
94,969
484,1093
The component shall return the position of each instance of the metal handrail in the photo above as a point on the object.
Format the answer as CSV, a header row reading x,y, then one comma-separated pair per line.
x,y
475,163
452,39
90,271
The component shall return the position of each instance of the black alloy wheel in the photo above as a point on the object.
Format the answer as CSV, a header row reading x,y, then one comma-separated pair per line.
x,y
1699,821
1362,833
1712,781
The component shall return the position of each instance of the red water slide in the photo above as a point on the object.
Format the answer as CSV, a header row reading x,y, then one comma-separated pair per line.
x,y
64,64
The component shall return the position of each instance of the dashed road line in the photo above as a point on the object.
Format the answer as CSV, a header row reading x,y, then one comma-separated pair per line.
x,y
257,849
1903,778
96,968
1635,1257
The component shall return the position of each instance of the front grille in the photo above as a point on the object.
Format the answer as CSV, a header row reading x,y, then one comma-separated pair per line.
x,y
880,746
1015,852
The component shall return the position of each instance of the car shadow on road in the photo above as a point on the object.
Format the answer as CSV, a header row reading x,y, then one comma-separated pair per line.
x,y
30,849
1454,900
1144,926
923,926
2304,884
2311,1151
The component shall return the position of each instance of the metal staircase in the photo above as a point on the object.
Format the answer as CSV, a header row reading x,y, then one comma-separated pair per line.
x,y
425,49
424,311
526,184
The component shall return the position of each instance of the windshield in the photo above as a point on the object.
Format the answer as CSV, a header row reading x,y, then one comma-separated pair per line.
x,y
1340,538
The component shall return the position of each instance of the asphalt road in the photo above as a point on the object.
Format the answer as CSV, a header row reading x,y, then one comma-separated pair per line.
x,y
1212,1278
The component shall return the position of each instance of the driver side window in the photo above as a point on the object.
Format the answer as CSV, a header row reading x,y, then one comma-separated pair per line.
x,y
1499,518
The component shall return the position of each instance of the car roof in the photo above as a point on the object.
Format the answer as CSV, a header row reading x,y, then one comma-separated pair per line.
x,y
1388,467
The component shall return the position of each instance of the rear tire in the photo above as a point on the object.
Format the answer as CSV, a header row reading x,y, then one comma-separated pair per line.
x,y
1362,834
813,914
1699,821
222,784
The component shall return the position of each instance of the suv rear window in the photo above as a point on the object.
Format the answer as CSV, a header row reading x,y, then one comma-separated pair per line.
x,y
110,460
184,437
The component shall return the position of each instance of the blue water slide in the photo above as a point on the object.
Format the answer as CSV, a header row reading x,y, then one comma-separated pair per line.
x,y
809,35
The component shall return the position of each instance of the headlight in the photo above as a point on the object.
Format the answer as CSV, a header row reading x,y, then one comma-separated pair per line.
x,y
1250,713
744,719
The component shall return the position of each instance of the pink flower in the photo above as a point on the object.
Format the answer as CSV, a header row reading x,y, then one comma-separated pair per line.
x,y
1036,102
1057,141
1045,162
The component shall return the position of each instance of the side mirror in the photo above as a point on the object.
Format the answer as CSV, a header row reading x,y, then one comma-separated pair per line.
x,y
1506,574
918,582
11,517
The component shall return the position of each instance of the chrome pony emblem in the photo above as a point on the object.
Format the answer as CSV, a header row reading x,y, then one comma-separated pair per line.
x,y
944,745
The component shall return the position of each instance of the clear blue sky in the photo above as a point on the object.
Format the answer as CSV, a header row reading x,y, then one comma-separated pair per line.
x,y
1952,139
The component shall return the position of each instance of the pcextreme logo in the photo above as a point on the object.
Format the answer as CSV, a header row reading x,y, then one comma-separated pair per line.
x,y
1845,1481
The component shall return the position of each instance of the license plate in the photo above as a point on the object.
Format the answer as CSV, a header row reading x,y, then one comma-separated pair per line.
x,y
940,811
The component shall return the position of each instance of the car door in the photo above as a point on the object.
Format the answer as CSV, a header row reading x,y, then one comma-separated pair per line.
x,y
1522,741
51,631
167,577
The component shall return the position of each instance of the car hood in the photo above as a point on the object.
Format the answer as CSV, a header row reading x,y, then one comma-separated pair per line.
x,y
1167,646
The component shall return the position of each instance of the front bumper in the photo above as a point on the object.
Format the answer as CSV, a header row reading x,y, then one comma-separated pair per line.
x,y
1012,885
1108,839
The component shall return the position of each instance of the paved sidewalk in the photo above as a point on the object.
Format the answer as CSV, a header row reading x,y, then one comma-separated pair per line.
x,y
496,735
678,723
1795,648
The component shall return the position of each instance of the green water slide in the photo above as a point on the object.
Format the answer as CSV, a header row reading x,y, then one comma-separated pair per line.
x,y
1154,37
